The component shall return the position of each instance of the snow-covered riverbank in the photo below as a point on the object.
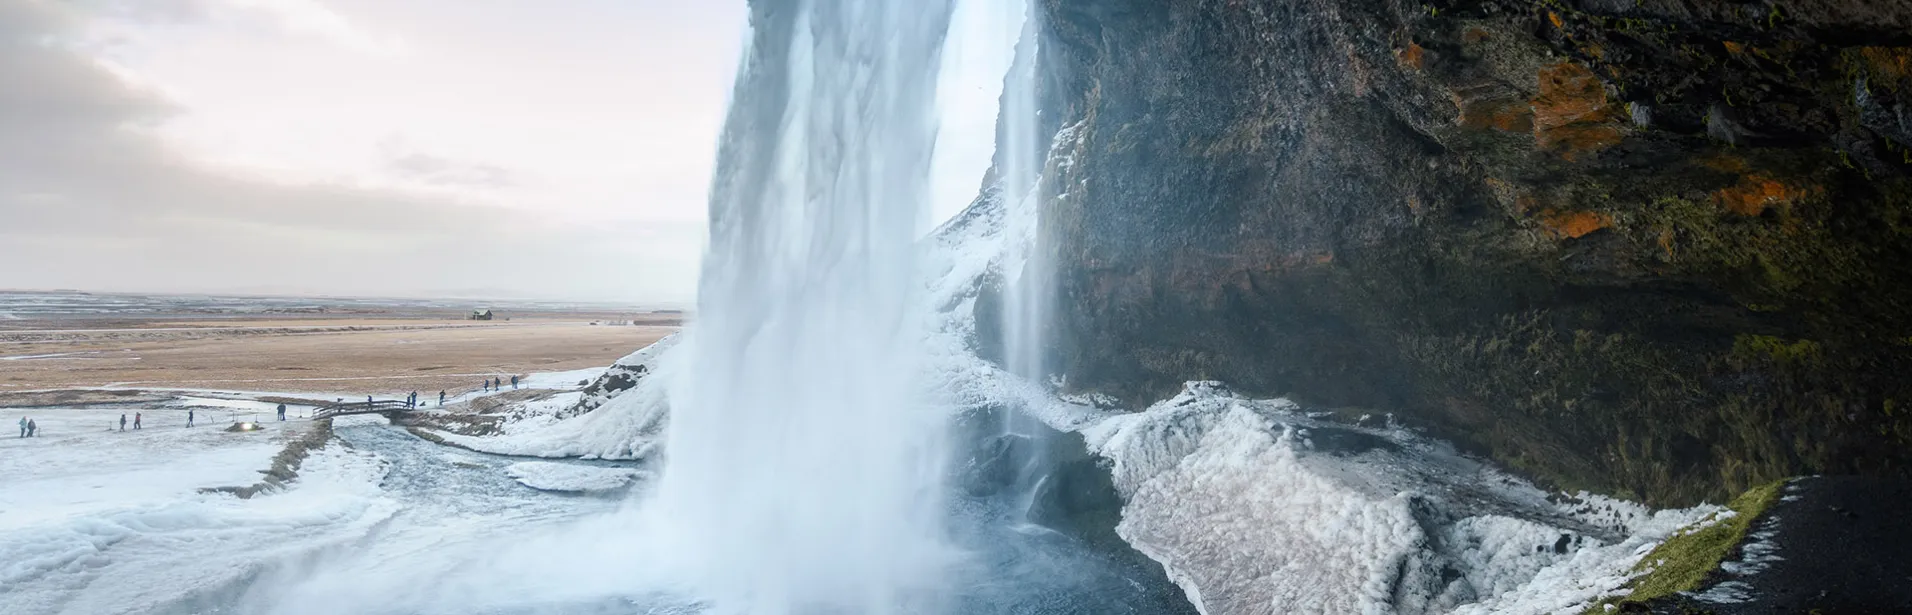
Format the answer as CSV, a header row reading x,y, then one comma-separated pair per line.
x,y
98,520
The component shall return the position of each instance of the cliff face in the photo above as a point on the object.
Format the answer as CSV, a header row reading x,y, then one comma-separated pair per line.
x,y
1658,248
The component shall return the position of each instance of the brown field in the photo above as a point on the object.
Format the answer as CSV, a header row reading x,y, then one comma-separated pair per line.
x,y
320,356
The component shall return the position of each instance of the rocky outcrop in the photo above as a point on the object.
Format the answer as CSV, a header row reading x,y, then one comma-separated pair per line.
x,y
1653,248
620,377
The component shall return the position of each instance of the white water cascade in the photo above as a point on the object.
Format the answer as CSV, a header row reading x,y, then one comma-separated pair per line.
x,y
1027,282
802,461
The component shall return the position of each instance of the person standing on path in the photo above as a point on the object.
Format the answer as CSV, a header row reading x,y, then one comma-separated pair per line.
x,y
138,417
33,429
282,412
23,424
122,421
514,383
441,399
189,419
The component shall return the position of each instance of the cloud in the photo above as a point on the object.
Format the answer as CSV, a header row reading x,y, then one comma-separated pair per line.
x,y
414,166
310,17
90,197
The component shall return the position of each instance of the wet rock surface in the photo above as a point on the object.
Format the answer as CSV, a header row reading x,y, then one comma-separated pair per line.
x,y
1834,545
1060,501
1653,249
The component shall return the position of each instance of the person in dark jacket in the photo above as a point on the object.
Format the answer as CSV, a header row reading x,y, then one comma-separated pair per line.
x,y
122,421
33,429
138,417
441,399
189,418
281,412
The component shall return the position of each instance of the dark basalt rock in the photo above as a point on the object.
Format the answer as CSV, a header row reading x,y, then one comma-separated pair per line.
x,y
1836,545
1654,248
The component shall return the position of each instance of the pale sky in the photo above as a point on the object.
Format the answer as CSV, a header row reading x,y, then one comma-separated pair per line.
x,y
488,148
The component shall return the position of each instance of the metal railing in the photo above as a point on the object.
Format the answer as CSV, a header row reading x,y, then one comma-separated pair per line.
x,y
360,407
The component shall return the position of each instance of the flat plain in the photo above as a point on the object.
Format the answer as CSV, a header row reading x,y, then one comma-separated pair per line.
x,y
48,359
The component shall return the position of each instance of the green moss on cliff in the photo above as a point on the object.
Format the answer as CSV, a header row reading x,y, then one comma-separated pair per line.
x,y
1683,562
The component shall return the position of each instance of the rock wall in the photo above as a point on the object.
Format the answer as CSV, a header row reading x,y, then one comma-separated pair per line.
x,y
1654,248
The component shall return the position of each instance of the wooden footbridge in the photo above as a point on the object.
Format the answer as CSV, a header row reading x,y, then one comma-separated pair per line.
x,y
381,406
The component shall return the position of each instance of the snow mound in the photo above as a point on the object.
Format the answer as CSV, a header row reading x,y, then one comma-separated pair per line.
x,y
566,477
1255,507
620,377
630,425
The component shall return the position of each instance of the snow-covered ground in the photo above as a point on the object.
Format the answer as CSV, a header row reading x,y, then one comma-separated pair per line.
x,y
94,520
97,521
627,426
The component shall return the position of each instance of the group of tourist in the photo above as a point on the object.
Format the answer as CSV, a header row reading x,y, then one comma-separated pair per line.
x,y
28,428
498,384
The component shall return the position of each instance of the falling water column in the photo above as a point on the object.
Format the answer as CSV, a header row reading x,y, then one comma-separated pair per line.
x,y
801,461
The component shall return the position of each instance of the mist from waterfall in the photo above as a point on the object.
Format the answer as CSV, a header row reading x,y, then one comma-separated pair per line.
x,y
803,462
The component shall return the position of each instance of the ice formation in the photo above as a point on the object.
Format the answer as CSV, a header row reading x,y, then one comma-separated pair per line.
x,y
1257,507
568,477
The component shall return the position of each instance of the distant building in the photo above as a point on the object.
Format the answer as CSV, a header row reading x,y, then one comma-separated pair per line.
x,y
480,315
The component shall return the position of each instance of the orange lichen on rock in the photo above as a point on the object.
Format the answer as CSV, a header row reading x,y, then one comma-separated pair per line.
x,y
1890,65
1482,109
1755,193
1411,57
1724,163
1572,114
1573,224
1474,34
1734,48
1555,19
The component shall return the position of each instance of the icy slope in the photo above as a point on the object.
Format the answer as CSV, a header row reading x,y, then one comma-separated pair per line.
x,y
622,376
1255,507
626,424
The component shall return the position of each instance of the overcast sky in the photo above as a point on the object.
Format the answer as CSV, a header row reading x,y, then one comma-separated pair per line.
x,y
490,148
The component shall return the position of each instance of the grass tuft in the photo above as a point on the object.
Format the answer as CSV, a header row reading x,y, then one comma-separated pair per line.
x,y
1683,561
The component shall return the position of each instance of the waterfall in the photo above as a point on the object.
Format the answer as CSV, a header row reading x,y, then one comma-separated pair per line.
x,y
1027,284
802,460
1025,295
